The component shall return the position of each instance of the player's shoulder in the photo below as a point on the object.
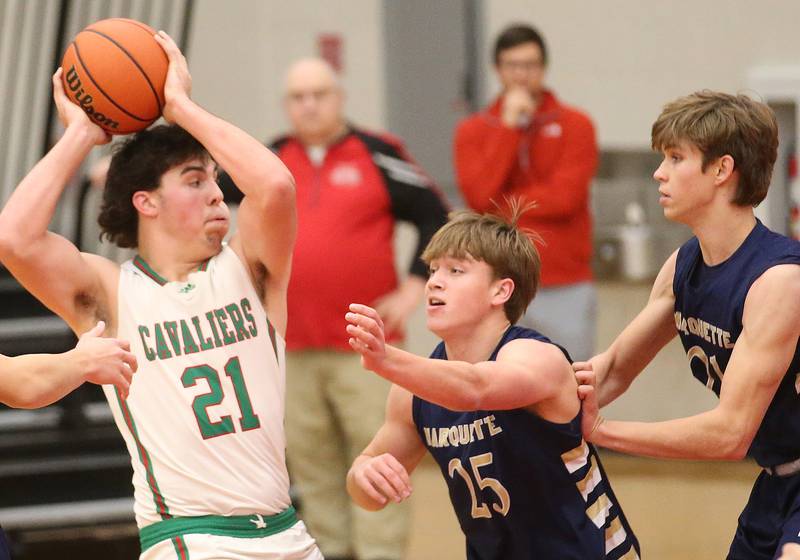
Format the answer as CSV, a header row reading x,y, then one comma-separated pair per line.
x,y
781,278
540,351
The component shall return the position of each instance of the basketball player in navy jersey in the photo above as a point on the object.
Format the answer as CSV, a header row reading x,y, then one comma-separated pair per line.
x,y
496,406
732,294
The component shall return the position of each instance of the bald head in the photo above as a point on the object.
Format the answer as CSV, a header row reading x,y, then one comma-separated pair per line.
x,y
314,101
310,70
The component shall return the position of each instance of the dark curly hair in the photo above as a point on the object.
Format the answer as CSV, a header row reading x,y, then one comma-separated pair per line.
x,y
138,163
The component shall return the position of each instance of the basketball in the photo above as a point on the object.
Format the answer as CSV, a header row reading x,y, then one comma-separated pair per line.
x,y
115,70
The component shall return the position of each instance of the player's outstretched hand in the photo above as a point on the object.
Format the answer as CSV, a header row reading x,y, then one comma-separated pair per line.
x,y
791,551
178,85
587,393
367,335
106,361
383,478
71,115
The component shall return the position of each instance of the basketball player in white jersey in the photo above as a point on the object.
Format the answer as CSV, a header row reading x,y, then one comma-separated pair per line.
x,y
204,418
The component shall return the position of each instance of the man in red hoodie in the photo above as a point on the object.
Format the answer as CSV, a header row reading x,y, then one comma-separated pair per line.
x,y
528,144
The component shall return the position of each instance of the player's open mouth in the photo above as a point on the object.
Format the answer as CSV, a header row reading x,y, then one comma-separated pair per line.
x,y
435,302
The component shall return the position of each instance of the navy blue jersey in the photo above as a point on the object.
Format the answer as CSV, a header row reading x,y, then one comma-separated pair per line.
x,y
709,303
5,554
522,487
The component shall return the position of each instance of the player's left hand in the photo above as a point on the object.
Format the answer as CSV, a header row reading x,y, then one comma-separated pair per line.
x,y
178,86
367,335
587,393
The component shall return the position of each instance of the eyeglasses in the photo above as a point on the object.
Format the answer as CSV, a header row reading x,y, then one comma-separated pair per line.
x,y
523,65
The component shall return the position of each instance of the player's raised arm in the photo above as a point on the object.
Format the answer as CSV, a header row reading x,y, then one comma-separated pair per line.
x,y
266,217
380,475
47,264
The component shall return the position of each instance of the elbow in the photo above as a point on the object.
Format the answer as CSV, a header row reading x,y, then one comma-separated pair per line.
x,y
279,188
733,444
25,399
8,240
472,395
15,242
736,449
283,182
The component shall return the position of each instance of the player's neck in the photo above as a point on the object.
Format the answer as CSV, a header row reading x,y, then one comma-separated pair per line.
x,y
477,343
720,235
172,262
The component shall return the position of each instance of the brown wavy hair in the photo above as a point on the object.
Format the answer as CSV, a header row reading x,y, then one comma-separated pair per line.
x,y
721,124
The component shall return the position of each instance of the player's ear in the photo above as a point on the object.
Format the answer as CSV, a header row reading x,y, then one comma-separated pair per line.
x,y
503,289
724,168
145,203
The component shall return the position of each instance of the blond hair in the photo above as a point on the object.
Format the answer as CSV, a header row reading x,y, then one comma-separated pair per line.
x,y
721,124
499,242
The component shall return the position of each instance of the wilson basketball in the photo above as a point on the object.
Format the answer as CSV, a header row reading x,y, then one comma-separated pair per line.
x,y
115,70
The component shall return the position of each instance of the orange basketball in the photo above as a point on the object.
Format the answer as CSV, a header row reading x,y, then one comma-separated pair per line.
x,y
115,71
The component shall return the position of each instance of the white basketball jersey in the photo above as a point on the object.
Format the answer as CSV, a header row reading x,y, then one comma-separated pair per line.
x,y
204,418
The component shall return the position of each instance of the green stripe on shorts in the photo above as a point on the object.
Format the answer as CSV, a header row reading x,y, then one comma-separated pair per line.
x,y
240,526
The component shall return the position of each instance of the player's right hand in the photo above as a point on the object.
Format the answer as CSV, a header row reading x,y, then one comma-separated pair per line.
x,y
383,478
71,114
106,361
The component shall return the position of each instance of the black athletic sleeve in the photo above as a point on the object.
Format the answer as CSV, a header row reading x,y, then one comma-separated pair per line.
x,y
414,196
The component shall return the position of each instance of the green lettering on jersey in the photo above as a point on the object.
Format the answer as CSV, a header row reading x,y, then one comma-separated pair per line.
x,y
161,344
214,331
205,344
189,345
246,307
238,321
222,318
148,352
172,332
